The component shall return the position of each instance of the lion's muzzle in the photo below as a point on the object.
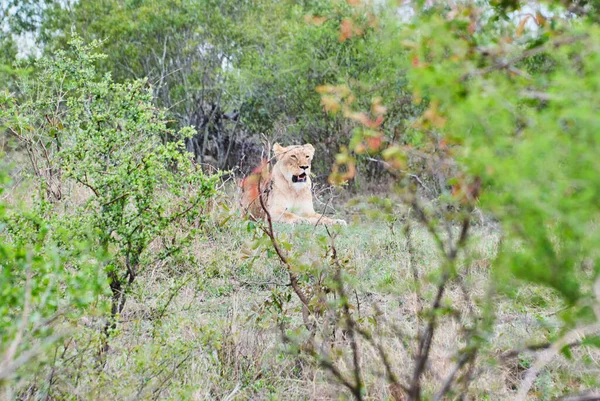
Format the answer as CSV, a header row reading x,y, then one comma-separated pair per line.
x,y
299,178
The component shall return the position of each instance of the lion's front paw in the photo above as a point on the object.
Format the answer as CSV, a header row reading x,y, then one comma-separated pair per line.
x,y
301,220
332,222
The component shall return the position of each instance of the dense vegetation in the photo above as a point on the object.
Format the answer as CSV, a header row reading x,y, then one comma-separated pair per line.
x,y
460,141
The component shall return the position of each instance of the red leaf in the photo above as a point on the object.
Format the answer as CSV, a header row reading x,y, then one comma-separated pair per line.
x,y
259,176
521,25
345,30
374,143
348,29
472,27
376,123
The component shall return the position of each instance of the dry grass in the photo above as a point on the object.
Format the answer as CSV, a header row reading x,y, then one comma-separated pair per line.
x,y
241,357
200,330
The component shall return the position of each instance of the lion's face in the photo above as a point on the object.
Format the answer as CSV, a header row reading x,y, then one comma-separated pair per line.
x,y
295,161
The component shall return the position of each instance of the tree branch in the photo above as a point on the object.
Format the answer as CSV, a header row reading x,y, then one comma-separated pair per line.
x,y
526,54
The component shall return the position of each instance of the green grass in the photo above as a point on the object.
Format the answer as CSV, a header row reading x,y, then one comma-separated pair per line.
x,y
218,336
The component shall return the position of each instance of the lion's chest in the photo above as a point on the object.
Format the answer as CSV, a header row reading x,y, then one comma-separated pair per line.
x,y
293,200
300,207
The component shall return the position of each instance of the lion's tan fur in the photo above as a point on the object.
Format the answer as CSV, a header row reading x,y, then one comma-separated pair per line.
x,y
287,201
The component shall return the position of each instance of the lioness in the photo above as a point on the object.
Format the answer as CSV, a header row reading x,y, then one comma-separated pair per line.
x,y
286,190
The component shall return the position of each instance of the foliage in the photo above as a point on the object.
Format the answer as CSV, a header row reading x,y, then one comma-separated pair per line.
x,y
534,140
19,16
523,139
180,46
484,119
283,63
237,70
488,115
8,52
93,135
42,283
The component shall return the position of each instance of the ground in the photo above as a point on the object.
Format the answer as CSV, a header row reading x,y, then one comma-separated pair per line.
x,y
205,330
206,327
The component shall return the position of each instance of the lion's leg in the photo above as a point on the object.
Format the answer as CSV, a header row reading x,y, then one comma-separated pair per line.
x,y
283,216
317,218
313,218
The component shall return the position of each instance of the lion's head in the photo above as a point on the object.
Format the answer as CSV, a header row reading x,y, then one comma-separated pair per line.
x,y
294,161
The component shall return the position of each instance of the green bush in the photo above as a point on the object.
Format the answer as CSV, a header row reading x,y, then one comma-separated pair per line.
x,y
106,187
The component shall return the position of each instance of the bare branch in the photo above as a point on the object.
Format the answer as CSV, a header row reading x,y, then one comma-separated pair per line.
x,y
450,378
349,321
593,395
293,278
532,348
547,355
426,339
390,167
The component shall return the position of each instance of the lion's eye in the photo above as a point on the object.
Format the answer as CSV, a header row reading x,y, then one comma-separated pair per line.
x,y
294,157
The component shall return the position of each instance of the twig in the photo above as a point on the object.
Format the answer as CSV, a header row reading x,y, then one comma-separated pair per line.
x,y
352,326
327,364
424,219
415,274
156,392
390,375
532,348
293,278
116,199
53,370
526,54
322,215
79,180
426,339
450,378
7,370
390,167
233,393
593,395
547,355
162,310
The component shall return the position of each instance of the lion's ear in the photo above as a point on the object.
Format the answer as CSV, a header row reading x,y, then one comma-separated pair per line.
x,y
278,151
310,149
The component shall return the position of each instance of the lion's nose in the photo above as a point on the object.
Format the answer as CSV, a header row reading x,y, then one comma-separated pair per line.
x,y
303,167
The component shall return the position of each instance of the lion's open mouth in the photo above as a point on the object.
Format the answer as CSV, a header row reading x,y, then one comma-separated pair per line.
x,y
299,178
